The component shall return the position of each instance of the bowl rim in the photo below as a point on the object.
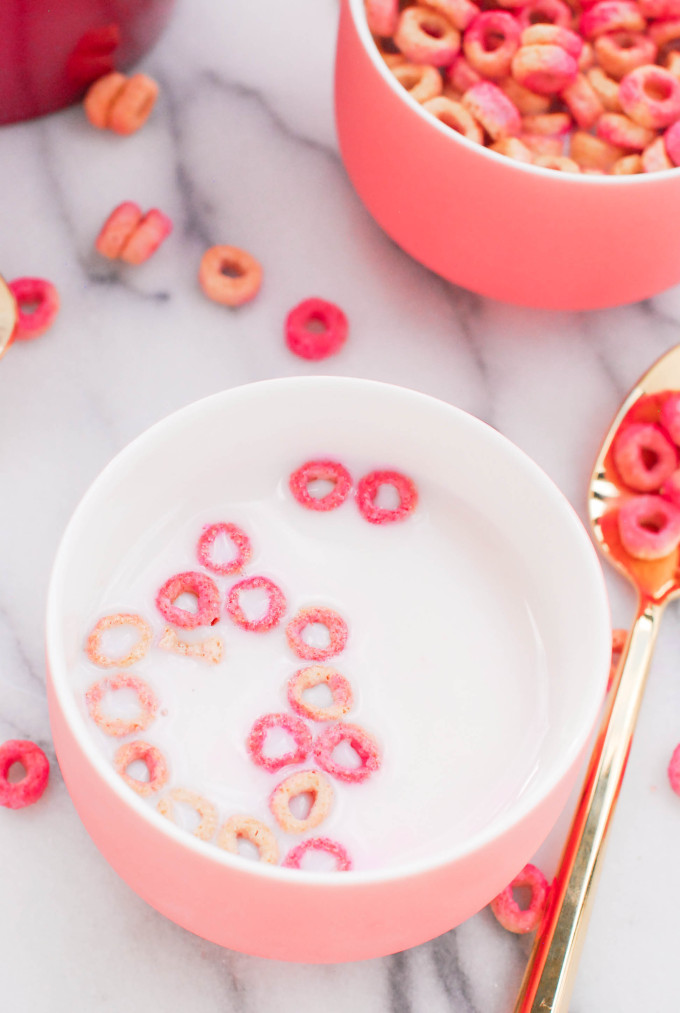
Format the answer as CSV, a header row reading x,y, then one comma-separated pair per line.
x,y
530,800
358,13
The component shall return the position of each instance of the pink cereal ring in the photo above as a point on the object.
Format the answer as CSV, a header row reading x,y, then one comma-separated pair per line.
x,y
204,590
93,646
546,69
153,760
674,770
583,102
276,604
38,304
305,782
551,12
238,538
205,810
508,912
644,456
553,35
456,116
316,675
293,726
229,276
611,16
672,141
490,43
670,416
671,488
148,704
620,130
655,157
316,329
369,486
337,633
382,16
132,105
620,52
649,527
421,80
651,96
145,239
424,36
459,12
293,859
239,828
117,229
211,649
17,794
321,471
100,97
363,744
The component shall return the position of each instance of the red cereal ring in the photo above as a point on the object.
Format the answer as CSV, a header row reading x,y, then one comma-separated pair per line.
x,y
316,329
367,491
207,600
205,809
674,770
314,675
17,794
93,646
236,536
644,456
151,757
148,704
295,727
508,912
275,608
363,744
337,633
293,860
317,471
248,828
305,782
38,304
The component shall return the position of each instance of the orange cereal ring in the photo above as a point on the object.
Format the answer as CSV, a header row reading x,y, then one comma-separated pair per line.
x,y
315,675
117,229
560,163
131,107
337,633
211,649
93,646
305,782
276,605
100,97
151,757
508,912
248,828
238,538
229,276
148,704
205,809
146,237
363,744
424,36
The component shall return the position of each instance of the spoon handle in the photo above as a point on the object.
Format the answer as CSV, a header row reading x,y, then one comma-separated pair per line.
x,y
549,978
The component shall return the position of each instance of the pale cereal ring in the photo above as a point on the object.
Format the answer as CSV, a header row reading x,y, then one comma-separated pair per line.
x,y
294,726
424,36
148,704
314,675
382,16
93,646
311,782
248,828
207,600
337,633
275,608
363,744
456,117
210,650
238,538
229,276
205,809
421,80
293,860
155,764
369,487
315,471
508,912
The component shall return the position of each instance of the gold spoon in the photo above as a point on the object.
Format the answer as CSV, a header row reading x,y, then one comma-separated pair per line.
x,y
551,971
8,316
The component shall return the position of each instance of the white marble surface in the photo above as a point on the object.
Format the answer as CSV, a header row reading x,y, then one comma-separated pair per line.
x,y
241,149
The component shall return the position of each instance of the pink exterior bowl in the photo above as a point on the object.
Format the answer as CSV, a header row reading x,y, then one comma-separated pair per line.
x,y
276,912
514,232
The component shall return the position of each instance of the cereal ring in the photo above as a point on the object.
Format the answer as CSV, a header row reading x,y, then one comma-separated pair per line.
x,y
151,757
454,115
490,43
624,132
93,646
101,96
674,770
461,75
627,166
248,828
655,157
305,782
583,102
117,229
512,147
421,80
659,8
315,675
17,794
238,538
620,52
275,608
649,527
145,239
293,859
611,16
606,88
528,102
148,704
587,57
205,809
316,329
553,35
508,912
459,12
670,416
337,633
493,110
592,152
382,16
543,147
229,276
672,141
424,36
207,597
547,124
369,487
560,163
644,456
132,105
551,12
37,304
546,69
321,471
363,744
651,97
295,727
211,649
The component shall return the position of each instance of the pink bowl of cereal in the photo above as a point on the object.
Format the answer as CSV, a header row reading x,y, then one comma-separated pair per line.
x,y
314,682
527,150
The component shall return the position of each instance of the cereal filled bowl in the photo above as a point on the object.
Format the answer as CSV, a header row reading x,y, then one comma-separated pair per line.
x,y
324,655
501,227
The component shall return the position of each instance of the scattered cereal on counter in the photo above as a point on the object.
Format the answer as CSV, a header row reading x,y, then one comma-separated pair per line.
x,y
131,236
293,859
316,329
508,912
293,726
18,794
119,103
674,770
229,276
38,304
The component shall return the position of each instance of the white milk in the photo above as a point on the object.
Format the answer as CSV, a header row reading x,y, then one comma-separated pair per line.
x,y
443,656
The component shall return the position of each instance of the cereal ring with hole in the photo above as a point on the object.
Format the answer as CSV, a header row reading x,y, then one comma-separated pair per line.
x,y
620,52
294,726
100,97
528,102
238,538
549,12
490,43
321,471
651,97
672,141
583,102
211,649
305,782
316,675
132,105
276,605
93,646
424,36
459,12
655,157
229,276
382,16
508,912
623,132
37,304
315,329
334,623
674,770
649,527
456,116
461,76
420,80
204,590
117,229
546,69
148,704
611,16
17,794
293,860
643,456
512,147
249,829
369,487
363,744
205,809
145,239
553,35
152,758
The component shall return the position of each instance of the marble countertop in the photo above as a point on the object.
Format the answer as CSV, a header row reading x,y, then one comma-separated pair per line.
x,y
241,149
